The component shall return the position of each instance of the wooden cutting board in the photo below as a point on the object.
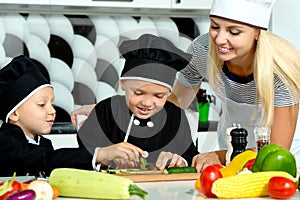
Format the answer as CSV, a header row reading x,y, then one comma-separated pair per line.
x,y
154,176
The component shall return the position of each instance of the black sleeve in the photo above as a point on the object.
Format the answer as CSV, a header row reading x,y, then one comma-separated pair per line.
x,y
17,155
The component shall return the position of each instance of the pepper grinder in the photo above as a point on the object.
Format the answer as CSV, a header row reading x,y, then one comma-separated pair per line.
x,y
228,141
238,140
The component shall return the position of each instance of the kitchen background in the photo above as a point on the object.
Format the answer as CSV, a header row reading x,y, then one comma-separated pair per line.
x,y
79,53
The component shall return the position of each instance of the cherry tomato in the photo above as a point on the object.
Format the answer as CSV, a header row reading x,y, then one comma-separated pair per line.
x,y
281,187
249,164
207,177
16,186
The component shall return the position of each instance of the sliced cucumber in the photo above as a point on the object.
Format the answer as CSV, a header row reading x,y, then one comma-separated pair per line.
x,y
179,170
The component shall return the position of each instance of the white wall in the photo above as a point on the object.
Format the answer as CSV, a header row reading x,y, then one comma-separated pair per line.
x,y
286,20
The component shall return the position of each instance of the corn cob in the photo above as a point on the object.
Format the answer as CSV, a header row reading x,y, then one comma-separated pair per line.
x,y
246,185
91,184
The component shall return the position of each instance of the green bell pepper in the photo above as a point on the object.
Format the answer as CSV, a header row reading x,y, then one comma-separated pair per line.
x,y
275,158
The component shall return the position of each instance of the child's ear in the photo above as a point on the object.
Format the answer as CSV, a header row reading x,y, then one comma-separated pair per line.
x,y
13,117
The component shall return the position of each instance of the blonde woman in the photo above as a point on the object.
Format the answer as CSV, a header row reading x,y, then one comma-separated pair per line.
x,y
254,72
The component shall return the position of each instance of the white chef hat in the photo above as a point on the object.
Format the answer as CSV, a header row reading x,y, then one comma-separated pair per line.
x,y
252,12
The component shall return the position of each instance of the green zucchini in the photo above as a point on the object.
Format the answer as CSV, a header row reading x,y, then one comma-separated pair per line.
x,y
179,170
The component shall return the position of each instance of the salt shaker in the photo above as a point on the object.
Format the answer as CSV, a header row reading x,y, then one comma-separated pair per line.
x,y
262,137
238,140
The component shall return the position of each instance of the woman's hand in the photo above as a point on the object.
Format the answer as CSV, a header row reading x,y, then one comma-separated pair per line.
x,y
83,110
124,154
174,160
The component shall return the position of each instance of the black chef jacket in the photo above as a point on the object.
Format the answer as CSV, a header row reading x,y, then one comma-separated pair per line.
x,y
109,120
17,155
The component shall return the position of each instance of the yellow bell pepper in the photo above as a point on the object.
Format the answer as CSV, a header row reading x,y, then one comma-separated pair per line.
x,y
237,163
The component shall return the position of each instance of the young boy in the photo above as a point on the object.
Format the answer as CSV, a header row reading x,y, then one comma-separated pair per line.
x,y
27,112
143,118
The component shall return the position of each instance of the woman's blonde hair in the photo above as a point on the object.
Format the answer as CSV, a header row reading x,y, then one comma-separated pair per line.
x,y
274,56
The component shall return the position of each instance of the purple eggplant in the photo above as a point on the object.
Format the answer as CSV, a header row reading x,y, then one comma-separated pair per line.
x,y
27,194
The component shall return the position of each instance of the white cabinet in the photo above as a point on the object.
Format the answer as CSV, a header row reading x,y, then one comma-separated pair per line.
x,y
285,20
25,2
115,3
191,4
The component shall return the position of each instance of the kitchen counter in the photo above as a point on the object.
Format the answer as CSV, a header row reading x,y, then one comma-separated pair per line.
x,y
166,190
175,190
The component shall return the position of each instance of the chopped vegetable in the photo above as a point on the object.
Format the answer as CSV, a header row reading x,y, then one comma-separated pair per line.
x,y
179,170
144,165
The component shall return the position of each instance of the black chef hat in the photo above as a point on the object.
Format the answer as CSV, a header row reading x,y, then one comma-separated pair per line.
x,y
152,58
19,80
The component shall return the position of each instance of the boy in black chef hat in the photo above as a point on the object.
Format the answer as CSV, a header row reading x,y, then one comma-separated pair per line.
x,y
27,112
143,122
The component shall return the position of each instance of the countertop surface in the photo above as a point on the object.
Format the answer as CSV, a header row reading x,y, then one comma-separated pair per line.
x,y
174,190
166,190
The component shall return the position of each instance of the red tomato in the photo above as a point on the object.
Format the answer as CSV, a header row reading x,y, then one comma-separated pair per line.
x,y
16,186
249,164
281,187
207,177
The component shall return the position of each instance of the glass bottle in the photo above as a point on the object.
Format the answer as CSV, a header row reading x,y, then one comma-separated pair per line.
x,y
262,137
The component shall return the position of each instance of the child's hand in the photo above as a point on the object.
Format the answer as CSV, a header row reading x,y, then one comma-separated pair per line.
x,y
122,153
168,159
123,164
